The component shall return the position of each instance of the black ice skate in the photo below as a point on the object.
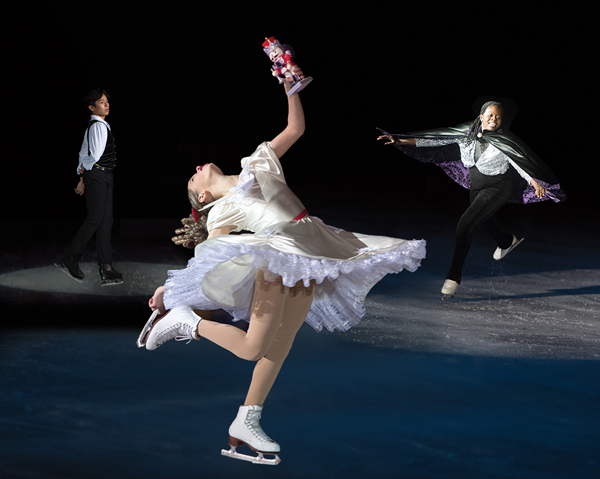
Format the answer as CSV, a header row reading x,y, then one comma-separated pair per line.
x,y
70,266
110,275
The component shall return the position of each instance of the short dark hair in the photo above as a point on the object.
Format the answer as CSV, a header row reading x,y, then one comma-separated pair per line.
x,y
91,97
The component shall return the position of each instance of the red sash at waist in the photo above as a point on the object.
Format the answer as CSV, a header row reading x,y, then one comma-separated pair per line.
x,y
301,215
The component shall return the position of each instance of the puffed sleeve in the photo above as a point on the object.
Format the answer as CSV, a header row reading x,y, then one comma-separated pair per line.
x,y
226,214
264,160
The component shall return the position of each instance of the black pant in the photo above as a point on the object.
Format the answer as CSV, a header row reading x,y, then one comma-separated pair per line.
x,y
99,201
488,195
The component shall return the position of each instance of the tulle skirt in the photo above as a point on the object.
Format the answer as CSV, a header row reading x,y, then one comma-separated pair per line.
x,y
344,265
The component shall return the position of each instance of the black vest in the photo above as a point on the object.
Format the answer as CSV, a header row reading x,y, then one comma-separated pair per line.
x,y
109,157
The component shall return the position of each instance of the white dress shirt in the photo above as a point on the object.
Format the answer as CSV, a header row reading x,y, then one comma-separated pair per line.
x,y
98,137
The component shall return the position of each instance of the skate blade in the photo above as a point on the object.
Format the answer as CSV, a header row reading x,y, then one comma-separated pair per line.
x,y
515,245
510,249
111,282
143,337
66,271
260,459
447,296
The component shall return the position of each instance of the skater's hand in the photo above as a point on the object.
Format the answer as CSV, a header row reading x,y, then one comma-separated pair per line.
x,y
399,141
296,71
156,301
390,140
540,191
287,84
80,188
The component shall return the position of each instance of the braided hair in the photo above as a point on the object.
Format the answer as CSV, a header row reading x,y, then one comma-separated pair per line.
x,y
194,229
476,126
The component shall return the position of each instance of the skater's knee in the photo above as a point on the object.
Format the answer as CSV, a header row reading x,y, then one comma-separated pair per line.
x,y
252,357
465,229
278,355
277,351
94,221
253,353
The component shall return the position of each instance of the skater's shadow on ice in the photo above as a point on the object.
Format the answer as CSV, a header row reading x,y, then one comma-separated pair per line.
x,y
552,292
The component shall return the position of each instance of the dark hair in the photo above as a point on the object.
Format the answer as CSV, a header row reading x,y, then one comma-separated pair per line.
x,y
475,127
91,97
487,104
287,47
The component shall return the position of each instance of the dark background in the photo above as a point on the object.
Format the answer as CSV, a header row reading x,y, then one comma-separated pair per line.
x,y
190,84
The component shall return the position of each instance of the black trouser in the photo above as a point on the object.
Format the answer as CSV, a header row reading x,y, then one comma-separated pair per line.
x,y
488,195
99,201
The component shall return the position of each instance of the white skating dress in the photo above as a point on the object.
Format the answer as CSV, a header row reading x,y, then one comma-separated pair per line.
x,y
286,242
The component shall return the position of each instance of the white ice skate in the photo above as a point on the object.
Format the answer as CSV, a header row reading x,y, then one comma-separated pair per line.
x,y
449,288
143,337
501,253
180,324
245,429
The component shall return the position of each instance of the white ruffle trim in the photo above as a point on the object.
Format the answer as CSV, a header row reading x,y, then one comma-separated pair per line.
x,y
342,285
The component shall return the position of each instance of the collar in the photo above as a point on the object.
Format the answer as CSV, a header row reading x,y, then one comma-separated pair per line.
x,y
97,118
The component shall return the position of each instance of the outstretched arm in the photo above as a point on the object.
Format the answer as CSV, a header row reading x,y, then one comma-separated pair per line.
x,y
295,127
403,141
540,191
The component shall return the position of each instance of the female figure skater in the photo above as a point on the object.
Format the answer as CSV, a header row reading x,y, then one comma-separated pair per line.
x,y
495,165
294,268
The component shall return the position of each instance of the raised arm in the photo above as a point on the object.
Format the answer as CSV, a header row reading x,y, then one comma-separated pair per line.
x,y
295,126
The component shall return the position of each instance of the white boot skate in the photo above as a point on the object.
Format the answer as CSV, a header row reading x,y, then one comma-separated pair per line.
x,y
180,323
155,317
245,429
449,288
501,253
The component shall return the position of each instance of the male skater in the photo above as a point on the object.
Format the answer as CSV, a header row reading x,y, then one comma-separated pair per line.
x,y
97,160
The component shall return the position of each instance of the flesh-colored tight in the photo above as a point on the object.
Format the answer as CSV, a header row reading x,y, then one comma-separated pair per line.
x,y
276,316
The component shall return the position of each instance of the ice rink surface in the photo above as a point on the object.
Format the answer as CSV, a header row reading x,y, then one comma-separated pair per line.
x,y
501,381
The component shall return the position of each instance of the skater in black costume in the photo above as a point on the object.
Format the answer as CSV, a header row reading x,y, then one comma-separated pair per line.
x,y
494,164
